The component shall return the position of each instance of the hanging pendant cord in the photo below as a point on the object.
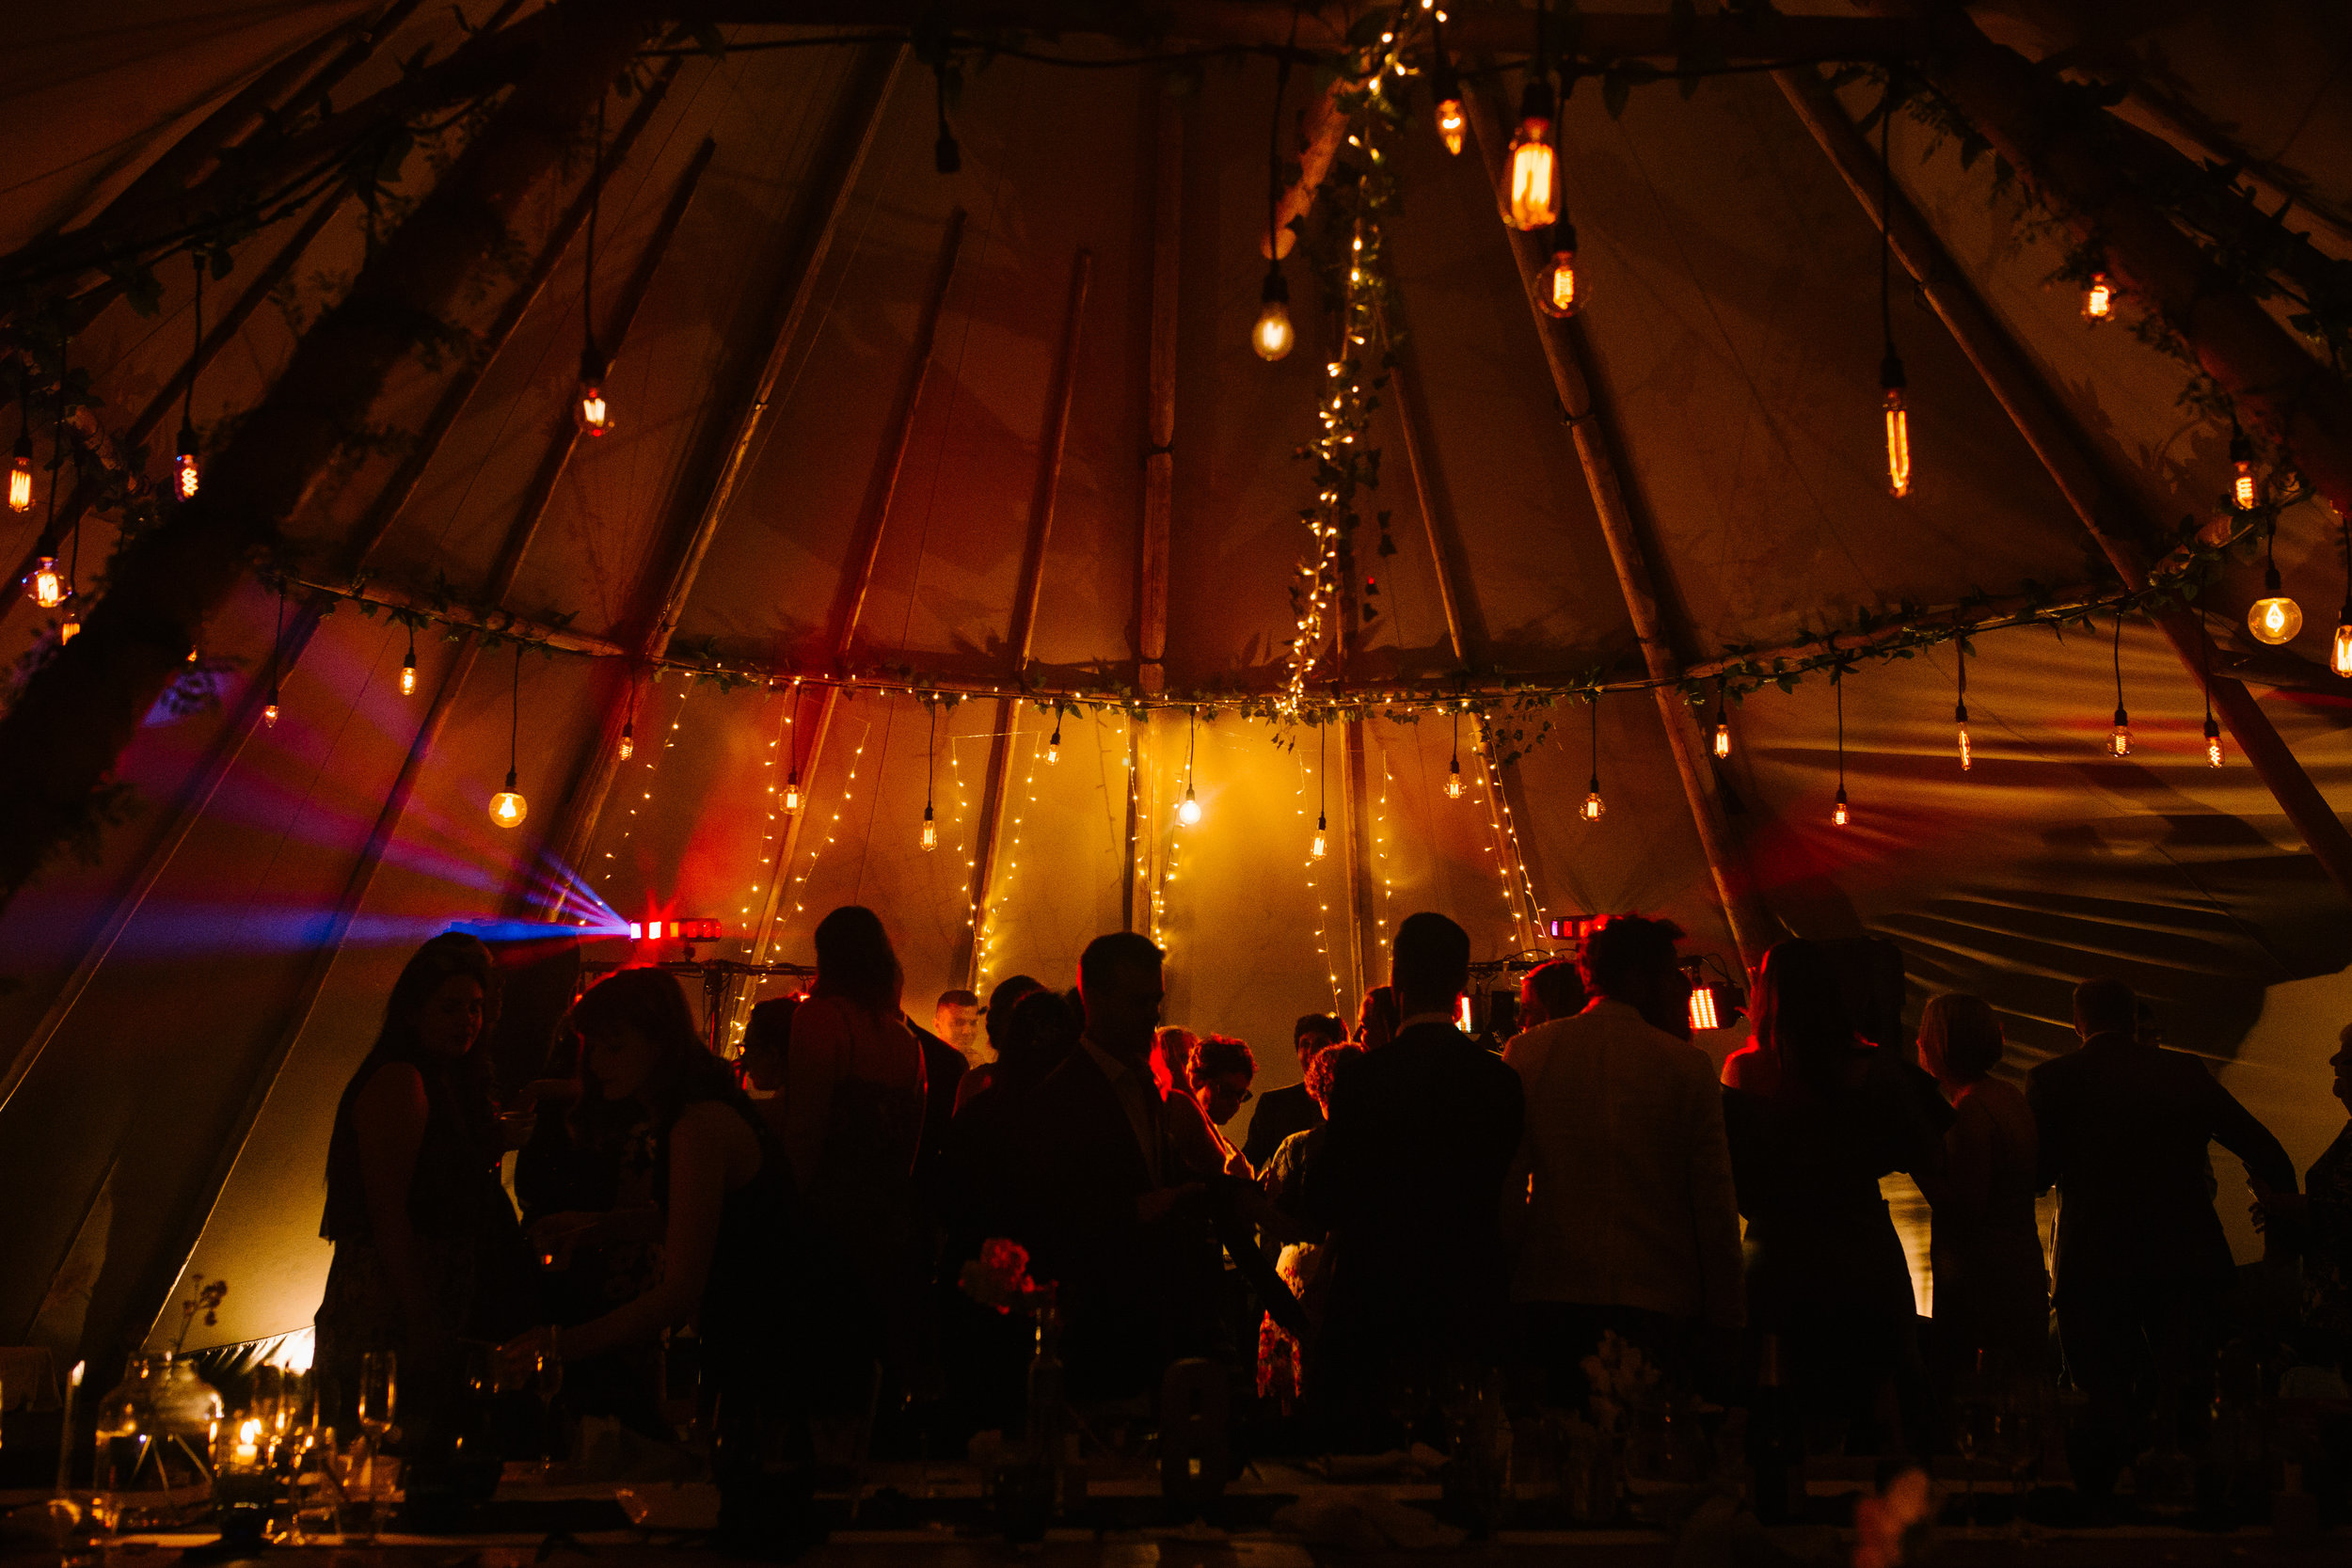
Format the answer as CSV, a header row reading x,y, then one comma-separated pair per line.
x,y
187,393
2206,638
1323,762
1837,682
595,198
1274,150
1886,197
56,466
930,764
514,714
278,642
1595,736
2119,658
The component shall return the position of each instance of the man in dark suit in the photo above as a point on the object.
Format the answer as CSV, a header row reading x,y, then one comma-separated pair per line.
x,y
1409,1184
1281,1111
1111,1215
2142,1264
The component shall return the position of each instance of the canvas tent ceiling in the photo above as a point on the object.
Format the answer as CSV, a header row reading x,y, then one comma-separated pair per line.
x,y
178,1043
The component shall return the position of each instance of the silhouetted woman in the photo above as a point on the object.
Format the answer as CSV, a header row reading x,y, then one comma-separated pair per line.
x,y
853,1123
2317,1222
427,1249
731,1259
1992,1292
1815,1115
1217,1075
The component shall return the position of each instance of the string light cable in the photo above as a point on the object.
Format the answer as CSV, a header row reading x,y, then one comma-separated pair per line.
x,y
186,473
508,807
1839,816
1891,382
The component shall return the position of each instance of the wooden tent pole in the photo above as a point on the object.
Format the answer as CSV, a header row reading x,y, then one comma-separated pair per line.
x,y
1051,441
2113,518
1754,928
205,1199
865,549
1159,503
849,137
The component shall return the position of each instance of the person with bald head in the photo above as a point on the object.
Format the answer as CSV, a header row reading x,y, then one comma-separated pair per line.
x,y
2125,1126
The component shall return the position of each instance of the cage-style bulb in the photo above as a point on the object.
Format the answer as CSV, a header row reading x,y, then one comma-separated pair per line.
x,y
20,476
2119,738
1534,170
1839,816
2243,494
1959,721
590,410
792,791
2274,618
186,474
930,829
2099,298
1272,336
2340,657
1450,123
1315,850
1453,780
628,739
1188,811
508,807
409,674
2212,742
44,584
1592,807
1555,287
1897,428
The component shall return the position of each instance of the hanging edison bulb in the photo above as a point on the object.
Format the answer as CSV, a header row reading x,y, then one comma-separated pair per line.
x,y
1723,730
628,739
1188,811
1451,121
931,828
1534,171
1315,850
2274,618
20,476
2099,298
2339,657
1960,719
2212,742
2243,494
590,410
409,674
508,807
2120,737
1053,745
1592,808
184,469
1897,426
1555,286
44,584
68,632
1839,816
792,791
1272,336
269,714
1453,780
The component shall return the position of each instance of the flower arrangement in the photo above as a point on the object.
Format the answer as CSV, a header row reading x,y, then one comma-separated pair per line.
x,y
999,1277
206,1300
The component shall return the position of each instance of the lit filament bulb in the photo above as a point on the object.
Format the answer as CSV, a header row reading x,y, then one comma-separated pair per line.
x,y
269,714
2340,657
1453,780
1722,732
1272,336
1839,816
792,791
20,476
590,410
628,739
184,469
1188,812
1315,850
2119,738
1450,123
931,829
2099,298
1960,721
1053,745
68,632
1555,289
1534,171
2212,742
409,674
1897,428
508,807
44,584
2243,493
1592,808
2274,618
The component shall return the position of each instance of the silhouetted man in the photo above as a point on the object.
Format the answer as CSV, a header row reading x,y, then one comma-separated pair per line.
x,y
1549,992
1281,1111
1409,1184
2142,1264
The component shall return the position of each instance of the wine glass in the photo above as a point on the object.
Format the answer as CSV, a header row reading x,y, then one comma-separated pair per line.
x,y
547,1380
380,1391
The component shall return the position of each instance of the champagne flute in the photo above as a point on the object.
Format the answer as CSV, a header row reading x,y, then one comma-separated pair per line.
x,y
547,1380
379,1392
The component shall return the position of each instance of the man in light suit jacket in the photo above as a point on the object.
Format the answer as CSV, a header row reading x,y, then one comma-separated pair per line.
x,y
1632,1224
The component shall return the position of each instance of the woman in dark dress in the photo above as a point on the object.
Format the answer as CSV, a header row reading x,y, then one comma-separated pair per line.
x,y
731,1248
427,1250
1815,1115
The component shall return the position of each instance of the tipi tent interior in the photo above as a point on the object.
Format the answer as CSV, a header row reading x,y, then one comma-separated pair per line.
x,y
956,494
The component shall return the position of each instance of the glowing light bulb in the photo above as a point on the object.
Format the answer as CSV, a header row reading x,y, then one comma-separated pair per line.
x,y
2213,743
1534,171
408,675
2119,738
1722,734
269,714
1555,287
20,476
508,807
2243,494
185,467
1839,816
2274,618
792,791
44,584
1053,747
2099,298
1897,428
68,632
590,410
1960,719
931,829
1592,809
1451,124
1272,336
1188,812
1315,850
1453,780
2340,659
628,739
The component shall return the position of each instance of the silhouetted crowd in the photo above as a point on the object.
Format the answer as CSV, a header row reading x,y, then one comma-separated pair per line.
x,y
857,1238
